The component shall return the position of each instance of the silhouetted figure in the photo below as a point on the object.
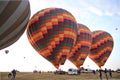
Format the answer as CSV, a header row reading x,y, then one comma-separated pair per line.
x,y
14,73
110,73
94,72
79,71
105,71
100,74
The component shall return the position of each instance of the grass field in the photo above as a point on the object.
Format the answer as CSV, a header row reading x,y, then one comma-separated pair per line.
x,y
52,76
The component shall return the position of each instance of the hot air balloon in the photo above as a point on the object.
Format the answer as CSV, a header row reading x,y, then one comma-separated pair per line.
x,y
24,57
6,51
101,47
14,15
82,46
116,28
52,33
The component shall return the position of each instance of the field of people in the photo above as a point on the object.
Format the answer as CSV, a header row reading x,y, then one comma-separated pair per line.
x,y
52,76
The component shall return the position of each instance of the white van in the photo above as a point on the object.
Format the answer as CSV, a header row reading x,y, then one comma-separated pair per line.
x,y
72,71
87,70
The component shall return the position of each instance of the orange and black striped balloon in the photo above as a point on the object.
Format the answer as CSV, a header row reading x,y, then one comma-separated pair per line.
x,y
101,48
82,46
52,32
14,15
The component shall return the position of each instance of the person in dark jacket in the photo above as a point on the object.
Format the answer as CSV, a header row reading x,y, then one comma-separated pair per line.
x,y
105,71
14,73
100,74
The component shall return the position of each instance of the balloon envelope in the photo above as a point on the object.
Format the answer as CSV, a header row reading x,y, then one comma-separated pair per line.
x,y
14,15
82,46
52,33
101,48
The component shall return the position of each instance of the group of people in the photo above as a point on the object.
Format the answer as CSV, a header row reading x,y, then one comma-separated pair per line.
x,y
12,75
106,75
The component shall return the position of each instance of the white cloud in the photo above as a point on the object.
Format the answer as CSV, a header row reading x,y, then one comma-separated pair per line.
x,y
89,8
95,10
37,5
79,13
109,13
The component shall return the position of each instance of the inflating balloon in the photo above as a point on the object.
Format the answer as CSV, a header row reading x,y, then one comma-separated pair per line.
x,y
52,32
82,46
101,48
14,15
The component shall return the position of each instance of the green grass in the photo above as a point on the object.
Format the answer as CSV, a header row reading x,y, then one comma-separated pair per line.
x,y
52,76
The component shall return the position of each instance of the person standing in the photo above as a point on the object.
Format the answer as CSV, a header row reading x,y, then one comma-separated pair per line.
x,y
94,72
100,74
110,73
14,73
105,71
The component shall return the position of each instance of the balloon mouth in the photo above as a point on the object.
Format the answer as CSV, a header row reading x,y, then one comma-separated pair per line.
x,y
56,65
78,67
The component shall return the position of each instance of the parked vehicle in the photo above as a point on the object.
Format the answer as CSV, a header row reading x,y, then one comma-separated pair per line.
x,y
60,72
73,71
118,70
87,71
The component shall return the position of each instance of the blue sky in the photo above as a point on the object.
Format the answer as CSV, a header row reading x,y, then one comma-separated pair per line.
x,y
95,14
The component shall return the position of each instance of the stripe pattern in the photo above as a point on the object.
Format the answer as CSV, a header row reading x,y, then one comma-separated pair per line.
x,y
82,46
52,33
14,16
101,48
